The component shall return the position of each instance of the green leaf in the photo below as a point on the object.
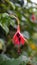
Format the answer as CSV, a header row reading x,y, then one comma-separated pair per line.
x,y
11,4
4,27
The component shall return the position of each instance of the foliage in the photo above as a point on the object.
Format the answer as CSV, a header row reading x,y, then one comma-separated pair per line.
x,y
22,11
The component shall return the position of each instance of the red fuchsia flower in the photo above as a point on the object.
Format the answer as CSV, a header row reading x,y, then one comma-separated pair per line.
x,y
18,38
33,17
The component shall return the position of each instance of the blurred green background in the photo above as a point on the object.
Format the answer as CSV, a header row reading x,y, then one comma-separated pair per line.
x,y
26,12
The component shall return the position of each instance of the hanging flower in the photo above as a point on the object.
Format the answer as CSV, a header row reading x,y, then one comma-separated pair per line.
x,y
33,17
18,38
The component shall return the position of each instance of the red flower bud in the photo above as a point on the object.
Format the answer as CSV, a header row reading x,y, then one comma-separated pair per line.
x,y
33,17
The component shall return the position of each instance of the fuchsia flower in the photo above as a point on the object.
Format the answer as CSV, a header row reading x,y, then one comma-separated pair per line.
x,y
33,17
18,38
